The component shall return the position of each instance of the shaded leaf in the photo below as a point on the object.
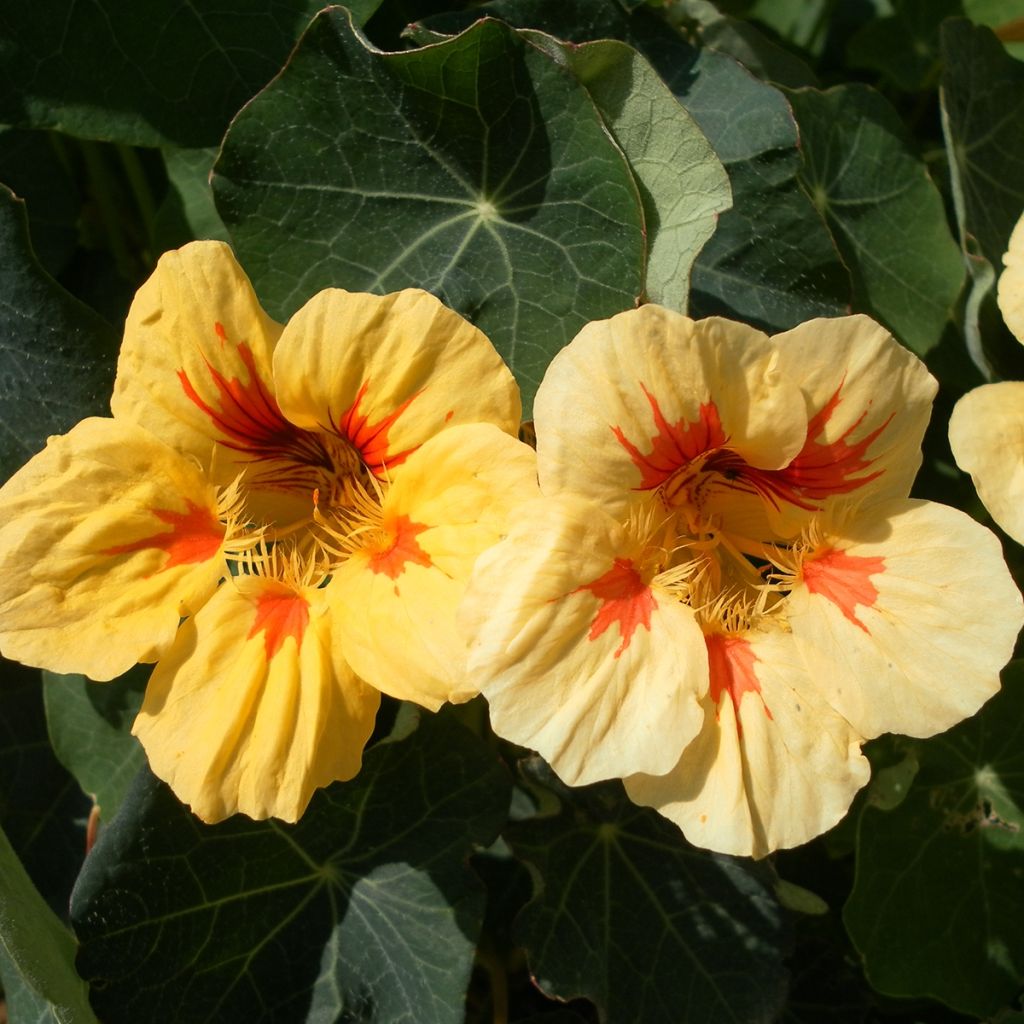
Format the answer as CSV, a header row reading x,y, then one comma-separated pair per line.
x,y
188,211
885,214
56,355
938,906
365,910
629,915
90,728
144,75
476,169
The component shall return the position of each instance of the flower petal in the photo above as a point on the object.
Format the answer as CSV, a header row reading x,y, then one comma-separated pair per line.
x,y
868,404
633,399
108,537
252,709
387,372
579,658
396,600
1010,290
906,617
986,433
773,766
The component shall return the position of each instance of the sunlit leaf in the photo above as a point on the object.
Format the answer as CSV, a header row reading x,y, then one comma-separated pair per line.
x,y
365,910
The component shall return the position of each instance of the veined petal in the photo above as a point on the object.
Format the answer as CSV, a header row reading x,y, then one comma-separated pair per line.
x,y
580,658
387,372
195,369
252,709
868,404
986,434
1010,290
107,537
906,617
396,598
773,765
632,400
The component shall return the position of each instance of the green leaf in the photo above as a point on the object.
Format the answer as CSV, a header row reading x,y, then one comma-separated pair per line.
x,y
188,211
938,907
885,214
37,946
57,356
365,910
683,185
476,169
144,75
629,915
90,728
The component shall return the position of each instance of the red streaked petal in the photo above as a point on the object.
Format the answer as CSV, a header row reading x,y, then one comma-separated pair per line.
x,y
370,439
626,601
195,536
731,661
845,580
403,549
280,616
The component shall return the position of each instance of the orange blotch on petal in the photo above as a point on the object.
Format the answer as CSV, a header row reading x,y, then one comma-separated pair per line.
x,y
845,580
403,549
625,600
195,536
280,615
731,662
371,439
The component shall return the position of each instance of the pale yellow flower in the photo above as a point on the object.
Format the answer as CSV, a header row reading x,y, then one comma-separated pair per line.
x,y
986,430
724,588
308,499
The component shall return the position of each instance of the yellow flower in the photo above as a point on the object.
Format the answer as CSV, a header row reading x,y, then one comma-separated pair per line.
x,y
986,430
724,588
309,499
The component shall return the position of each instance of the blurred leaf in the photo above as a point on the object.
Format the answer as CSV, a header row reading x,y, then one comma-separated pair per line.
x,y
938,906
476,169
365,910
144,74
22,1003
1004,17
683,185
885,214
90,728
188,211
629,915
56,355
802,23
37,946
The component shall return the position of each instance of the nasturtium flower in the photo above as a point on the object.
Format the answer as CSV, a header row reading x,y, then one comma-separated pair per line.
x,y
986,430
283,518
724,588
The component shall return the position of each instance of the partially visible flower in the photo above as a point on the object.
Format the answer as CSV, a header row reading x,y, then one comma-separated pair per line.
x,y
308,499
724,588
986,430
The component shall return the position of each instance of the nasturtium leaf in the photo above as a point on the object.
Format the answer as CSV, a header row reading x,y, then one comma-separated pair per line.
x,y
627,914
771,260
143,74
937,908
90,728
365,910
37,947
885,213
187,211
56,356
476,168
683,185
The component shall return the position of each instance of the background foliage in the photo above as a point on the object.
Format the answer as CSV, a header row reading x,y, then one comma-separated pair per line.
x,y
768,160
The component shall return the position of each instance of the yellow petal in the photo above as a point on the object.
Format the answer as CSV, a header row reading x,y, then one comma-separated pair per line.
x,y
986,433
773,766
906,617
868,404
1010,291
387,372
107,537
578,656
252,709
396,598
633,401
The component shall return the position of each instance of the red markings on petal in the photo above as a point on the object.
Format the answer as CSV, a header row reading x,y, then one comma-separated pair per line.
x,y
731,662
403,549
280,615
675,444
845,580
371,439
626,601
195,536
